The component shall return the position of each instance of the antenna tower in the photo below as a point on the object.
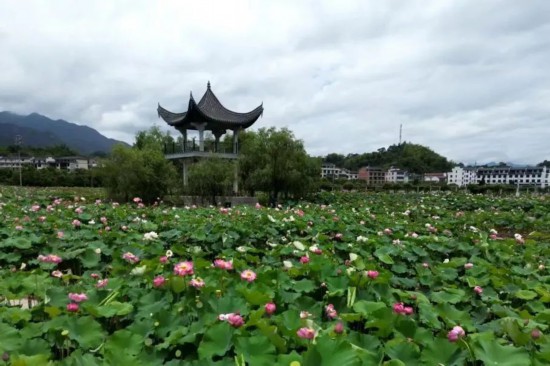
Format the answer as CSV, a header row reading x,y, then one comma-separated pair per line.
x,y
400,132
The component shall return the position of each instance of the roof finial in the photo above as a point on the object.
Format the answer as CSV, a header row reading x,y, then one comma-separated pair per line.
x,y
208,85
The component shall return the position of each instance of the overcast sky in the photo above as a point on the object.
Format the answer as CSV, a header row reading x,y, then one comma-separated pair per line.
x,y
470,79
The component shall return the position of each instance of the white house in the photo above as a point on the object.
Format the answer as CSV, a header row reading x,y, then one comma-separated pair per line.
x,y
394,175
524,176
330,170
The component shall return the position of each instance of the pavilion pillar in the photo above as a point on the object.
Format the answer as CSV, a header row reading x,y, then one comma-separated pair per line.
x,y
235,141
184,171
184,145
200,127
236,179
217,135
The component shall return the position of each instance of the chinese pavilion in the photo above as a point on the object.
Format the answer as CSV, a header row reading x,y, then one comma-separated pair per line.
x,y
206,115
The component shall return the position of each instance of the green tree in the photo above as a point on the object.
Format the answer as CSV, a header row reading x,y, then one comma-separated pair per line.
x,y
275,161
153,138
211,177
138,172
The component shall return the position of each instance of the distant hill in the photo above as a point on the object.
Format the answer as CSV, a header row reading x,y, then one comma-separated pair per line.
x,y
411,157
40,131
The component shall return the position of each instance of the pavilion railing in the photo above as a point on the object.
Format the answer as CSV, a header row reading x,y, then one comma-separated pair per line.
x,y
193,145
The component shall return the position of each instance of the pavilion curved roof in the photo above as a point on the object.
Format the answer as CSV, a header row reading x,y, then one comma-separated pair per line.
x,y
209,109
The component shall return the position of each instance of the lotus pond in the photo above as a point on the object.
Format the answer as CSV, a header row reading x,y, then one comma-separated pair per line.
x,y
352,279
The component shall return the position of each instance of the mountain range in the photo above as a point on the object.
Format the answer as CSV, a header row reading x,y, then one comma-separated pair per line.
x,y
37,130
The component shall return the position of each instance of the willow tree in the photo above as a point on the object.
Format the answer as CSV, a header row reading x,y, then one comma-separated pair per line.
x,y
274,161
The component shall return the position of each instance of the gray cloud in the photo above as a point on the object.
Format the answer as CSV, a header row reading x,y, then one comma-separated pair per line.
x,y
467,78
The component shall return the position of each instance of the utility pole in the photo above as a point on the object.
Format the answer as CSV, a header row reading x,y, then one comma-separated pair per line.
x,y
400,132
18,143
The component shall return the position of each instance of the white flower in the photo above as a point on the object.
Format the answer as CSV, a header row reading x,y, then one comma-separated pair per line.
x,y
97,250
474,229
150,236
196,249
518,236
138,271
493,231
287,264
313,248
242,249
91,222
177,216
273,245
350,270
362,239
271,218
304,314
169,253
23,266
353,256
298,245
446,260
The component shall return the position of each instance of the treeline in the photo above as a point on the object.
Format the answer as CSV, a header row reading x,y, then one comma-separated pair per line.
x,y
271,161
49,151
411,157
51,177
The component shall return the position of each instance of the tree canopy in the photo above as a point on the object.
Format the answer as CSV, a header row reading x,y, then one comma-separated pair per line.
x,y
412,157
274,161
139,171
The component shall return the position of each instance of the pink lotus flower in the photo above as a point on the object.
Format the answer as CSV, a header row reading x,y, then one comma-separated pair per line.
x,y
94,275
102,283
339,328
78,297
42,218
57,274
130,258
60,234
535,334
330,311
72,307
400,308
235,320
478,290
183,268
103,220
137,200
163,259
197,282
372,274
76,223
258,206
270,308
519,239
248,275
306,333
338,236
19,227
50,258
78,210
220,263
455,334
388,231
35,208
469,265
304,259
159,281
